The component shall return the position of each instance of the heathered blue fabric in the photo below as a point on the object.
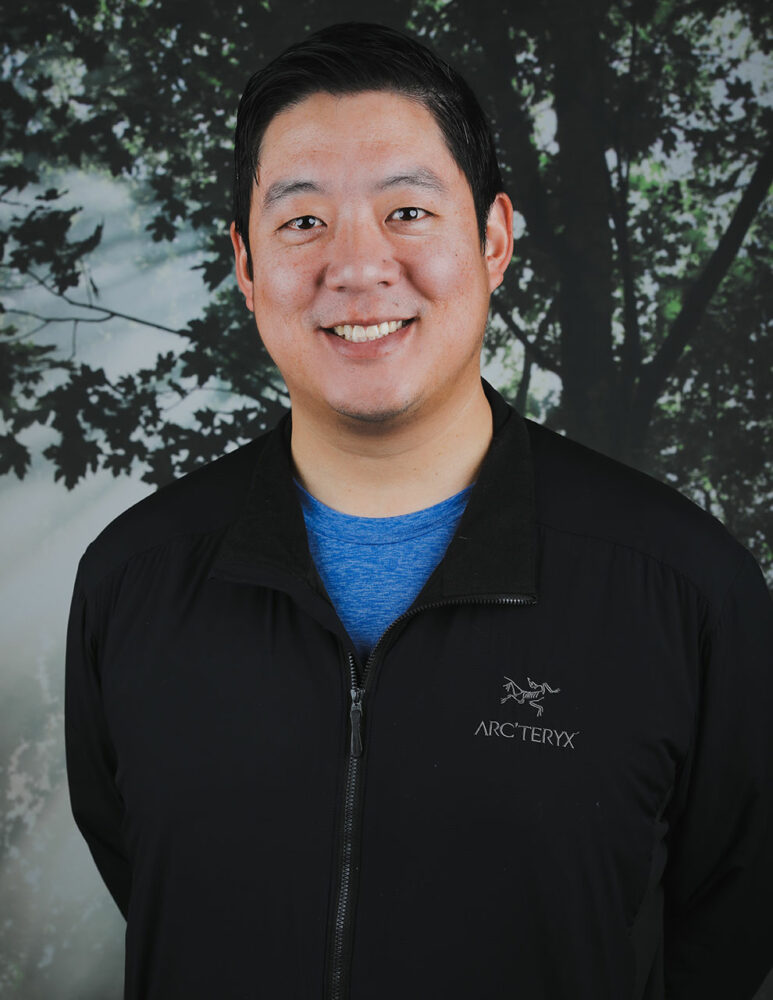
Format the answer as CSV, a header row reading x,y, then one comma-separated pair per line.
x,y
373,567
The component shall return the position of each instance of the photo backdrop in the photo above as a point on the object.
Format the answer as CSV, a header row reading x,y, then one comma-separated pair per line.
x,y
635,143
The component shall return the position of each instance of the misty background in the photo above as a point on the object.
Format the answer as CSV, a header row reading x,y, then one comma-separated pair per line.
x,y
635,143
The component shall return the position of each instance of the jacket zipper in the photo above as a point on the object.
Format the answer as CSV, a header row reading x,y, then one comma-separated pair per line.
x,y
342,928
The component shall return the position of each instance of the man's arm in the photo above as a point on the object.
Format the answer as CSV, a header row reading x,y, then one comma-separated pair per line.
x,y
719,881
96,803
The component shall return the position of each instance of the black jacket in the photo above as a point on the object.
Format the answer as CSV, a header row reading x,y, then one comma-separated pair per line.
x,y
552,779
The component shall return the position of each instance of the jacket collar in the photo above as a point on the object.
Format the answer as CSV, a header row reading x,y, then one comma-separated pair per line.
x,y
492,554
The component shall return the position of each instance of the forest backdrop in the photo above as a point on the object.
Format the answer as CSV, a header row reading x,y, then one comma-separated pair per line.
x,y
635,140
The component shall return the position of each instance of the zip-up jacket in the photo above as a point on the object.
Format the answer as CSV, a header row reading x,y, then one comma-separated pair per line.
x,y
551,779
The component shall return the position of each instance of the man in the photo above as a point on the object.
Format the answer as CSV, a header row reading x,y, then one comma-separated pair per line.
x,y
412,697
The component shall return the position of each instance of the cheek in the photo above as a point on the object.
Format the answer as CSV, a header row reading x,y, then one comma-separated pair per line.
x,y
449,274
282,284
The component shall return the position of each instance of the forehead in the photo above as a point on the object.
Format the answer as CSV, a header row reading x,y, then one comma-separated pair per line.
x,y
370,130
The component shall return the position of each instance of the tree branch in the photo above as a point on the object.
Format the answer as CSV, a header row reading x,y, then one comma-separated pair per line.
x,y
45,320
108,313
531,348
522,395
655,374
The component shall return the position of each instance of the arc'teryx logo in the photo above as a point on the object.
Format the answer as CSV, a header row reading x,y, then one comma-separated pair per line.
x,y
533,697
533,734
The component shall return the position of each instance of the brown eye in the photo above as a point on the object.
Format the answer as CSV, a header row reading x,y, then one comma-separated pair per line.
x,y
303,222
409,214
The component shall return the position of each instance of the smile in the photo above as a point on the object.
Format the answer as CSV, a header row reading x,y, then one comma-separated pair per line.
x,y
358,334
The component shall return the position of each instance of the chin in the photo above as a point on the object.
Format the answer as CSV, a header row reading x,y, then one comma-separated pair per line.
x,y
374,414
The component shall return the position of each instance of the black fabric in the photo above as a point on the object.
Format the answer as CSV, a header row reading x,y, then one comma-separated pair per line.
x,y
492,552
567,774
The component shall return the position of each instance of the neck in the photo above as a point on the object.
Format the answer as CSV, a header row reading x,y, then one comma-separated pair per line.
x,y
393,470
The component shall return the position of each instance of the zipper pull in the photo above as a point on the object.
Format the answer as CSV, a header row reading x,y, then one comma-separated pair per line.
x,y
355,718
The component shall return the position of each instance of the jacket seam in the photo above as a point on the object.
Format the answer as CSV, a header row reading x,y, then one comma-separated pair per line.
x,y
726,598
87,584
715,612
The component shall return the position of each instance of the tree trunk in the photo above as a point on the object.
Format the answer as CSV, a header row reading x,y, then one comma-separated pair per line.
x,y
585,245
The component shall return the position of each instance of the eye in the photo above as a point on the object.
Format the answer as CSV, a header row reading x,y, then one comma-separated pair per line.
x,y
303,223
409,214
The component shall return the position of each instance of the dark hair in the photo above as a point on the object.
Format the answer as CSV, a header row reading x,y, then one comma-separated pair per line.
x,y
352,58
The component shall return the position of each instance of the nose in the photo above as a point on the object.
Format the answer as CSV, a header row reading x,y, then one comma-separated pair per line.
x,y
360,257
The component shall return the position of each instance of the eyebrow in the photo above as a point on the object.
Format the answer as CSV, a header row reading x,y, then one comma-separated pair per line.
x,y
421,177
283,189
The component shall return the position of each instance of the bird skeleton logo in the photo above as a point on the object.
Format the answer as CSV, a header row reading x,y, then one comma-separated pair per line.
x,y
531,697
511,730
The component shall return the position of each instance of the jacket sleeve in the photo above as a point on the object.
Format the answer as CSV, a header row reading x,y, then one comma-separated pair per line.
x,y
719,880
91,764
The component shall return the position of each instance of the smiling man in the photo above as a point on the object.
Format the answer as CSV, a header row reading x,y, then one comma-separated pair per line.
x,y
411,697
363,265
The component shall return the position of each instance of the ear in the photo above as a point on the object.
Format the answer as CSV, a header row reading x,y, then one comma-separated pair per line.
x,y
499,239
243,278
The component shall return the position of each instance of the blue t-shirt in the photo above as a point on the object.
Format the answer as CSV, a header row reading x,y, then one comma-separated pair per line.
x,y
373,567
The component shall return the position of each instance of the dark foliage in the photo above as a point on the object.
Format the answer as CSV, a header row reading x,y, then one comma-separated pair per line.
x,y
639,277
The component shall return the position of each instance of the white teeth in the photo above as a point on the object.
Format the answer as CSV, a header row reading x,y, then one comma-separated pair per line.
x,y
359,334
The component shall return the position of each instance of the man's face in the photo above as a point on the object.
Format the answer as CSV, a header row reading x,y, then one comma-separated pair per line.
x,y
361,218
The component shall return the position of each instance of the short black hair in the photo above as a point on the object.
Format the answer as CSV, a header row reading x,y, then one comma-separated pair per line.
x,y
352,58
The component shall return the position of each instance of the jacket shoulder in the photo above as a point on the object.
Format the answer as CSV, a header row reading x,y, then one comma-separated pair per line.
x,y
580,491
203,502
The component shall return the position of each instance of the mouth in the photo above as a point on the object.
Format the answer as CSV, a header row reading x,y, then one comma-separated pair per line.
x,y
359,333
